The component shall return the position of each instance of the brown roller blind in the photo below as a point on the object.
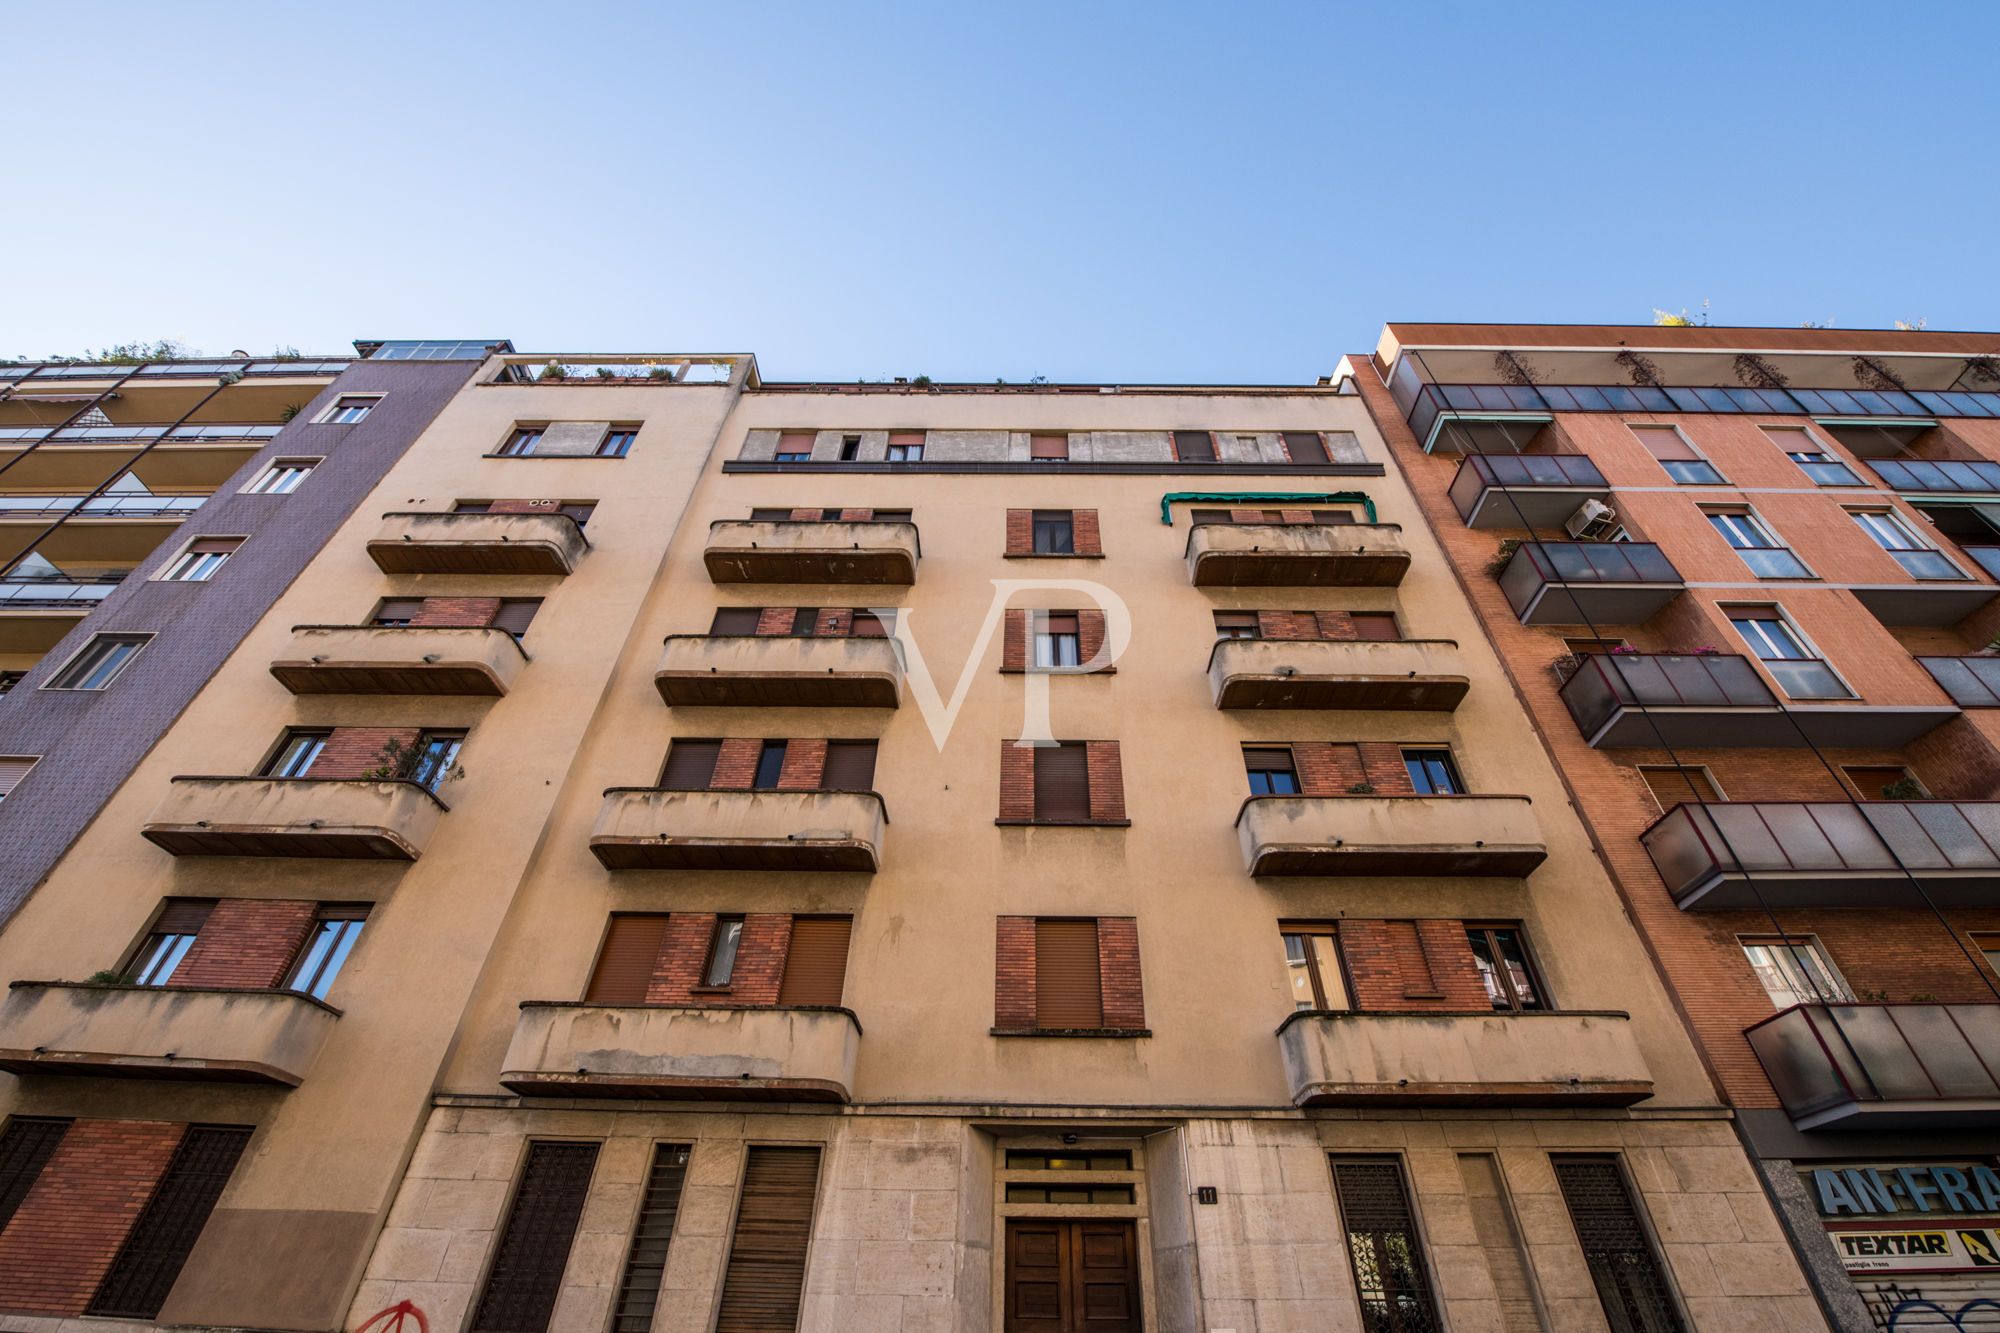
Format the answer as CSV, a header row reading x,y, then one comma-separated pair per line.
x,y
690,765
399,610
850,766
161,1240
906,437
868,625
183,916
1305,447
1664,443
213,545
1670,786
580,510
816,961
534,1244
1048,446
625,963
12,770
1209,516
735,620
796,441
1194,446
1379,625
516,614
767,1254
1062,782
1060,622
1069,992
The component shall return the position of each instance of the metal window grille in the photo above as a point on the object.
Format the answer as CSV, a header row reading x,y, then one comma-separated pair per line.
x,y
161,1240
1383,1246
24,1150
528,1264
1630,1283
646,1265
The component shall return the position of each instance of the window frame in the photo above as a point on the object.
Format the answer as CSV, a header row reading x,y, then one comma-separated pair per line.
x,y
287,739
1544,1003
1750,525
1843,993
1040,519
1290,770
72,666
770,748
1453,774
1309,961
713,954
326,967
1042,635
1829,459
264,483
1886,517
155,949
330,416
1715,477
1733,613
522,437
626,431
1253,624
181,568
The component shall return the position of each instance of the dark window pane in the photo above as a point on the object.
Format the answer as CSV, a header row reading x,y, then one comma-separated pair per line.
x,y
770,762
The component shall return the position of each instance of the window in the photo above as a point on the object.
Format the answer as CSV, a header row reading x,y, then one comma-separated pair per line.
x,y
1988,944
1677,457
1767,557
172,935
1383,1246
850,448
765,1274
770,763
1794,666
1892,536
735,620
1312,961
646,1263
1054,532
1271,772
1884,783
346,411
25,1150
1194,446
295,754
99,662
398,611
1237,625
1673,786
9,679
335,932
795,446
1588,647
1432,773
872,624
850,766
1820,467
437,752
906,446
522,442
1069,986
722,947
12,770
1062,783
1631,1285
516,614
617,441
1502,958
1376,625
690,765
1056,639
281,478
1795,970
1054,448
1305,447
203,556
891,515
534,1244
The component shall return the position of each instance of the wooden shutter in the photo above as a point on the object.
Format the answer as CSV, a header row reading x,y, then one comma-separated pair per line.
x,y
1060,622
1069,991
183,916
735,620
691,765
160,1241
816,960
1194,446
1304,447
11,773
516,614
646,1264
1670,786
24,1150
625,962
1062,783
1377,625
1665,443
850,766
533,1248
767,1254
1048,446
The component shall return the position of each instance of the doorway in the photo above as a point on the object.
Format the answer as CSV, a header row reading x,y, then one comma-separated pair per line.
x,y
1072,1277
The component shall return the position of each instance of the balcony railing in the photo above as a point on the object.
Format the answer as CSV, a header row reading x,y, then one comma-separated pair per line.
x,y
1713,699
1884,1066
769,1054
55,594
1972,682
1524,490
1914,474
1462,1059
226,1035
1826,854
100,506
1599,583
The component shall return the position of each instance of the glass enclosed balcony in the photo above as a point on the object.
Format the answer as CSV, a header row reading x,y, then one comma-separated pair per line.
x,y
1598,583
1884,1066
1524,490
1914,474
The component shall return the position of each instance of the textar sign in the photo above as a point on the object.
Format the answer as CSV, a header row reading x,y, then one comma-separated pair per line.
x,y
1946,1249
1942,1191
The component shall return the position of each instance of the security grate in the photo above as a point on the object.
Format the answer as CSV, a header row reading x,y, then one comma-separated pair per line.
x,y
1383,1245
639,1294
534,1246
1624,1268
152,1256
24,1150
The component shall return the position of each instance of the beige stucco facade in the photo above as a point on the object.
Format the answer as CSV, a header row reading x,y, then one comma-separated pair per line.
x,y
394,1160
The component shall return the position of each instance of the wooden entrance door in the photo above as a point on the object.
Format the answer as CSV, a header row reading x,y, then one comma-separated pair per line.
x,y
1072,1277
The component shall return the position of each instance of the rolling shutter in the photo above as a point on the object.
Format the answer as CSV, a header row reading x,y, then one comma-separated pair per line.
x,y
1378,625
850,766
11,773
646,1265
534,1244
516,614
1069,991
1194,446
735,620
162,1238
399,610
691,765
1062,783
1048,446
625,963
183,916
1305,447
816,961
767,1254
1665,443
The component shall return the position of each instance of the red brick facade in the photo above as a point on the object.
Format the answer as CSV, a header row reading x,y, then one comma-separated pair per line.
x,y
1102,764
1331,768
1085,535
736,765
457,611
351,752
68,1230
1118,966
754,980
1018,627
1411,965
805,761
1118,969
246,942
1107,780
1017,781
1020,532
1014,973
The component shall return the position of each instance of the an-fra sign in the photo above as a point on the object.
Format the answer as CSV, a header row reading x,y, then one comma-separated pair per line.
x,y
1875,1191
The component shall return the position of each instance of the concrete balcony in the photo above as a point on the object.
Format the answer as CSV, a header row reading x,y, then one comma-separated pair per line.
x,y
1813,854
1906,1067
1462,1059
446,543
788,552
709,1054
1410,674
400,659
1718,700
1599,583
1390,835
161,1032
773,671
355,819
1524,490
1296,555
650,828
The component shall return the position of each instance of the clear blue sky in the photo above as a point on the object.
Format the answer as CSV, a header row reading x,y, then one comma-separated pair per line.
x,y
1089,191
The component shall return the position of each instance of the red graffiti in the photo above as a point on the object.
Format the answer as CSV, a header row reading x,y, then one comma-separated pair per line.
x,y
396,1319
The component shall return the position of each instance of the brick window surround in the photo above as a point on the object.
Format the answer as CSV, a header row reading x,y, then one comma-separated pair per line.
x,y
1085,536
1106,782
684,938
83,1205
1018,631
1118,970
736,759
1333,768
1308,625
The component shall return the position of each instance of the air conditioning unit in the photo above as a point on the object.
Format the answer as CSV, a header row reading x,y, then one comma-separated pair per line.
x,y
1591,522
